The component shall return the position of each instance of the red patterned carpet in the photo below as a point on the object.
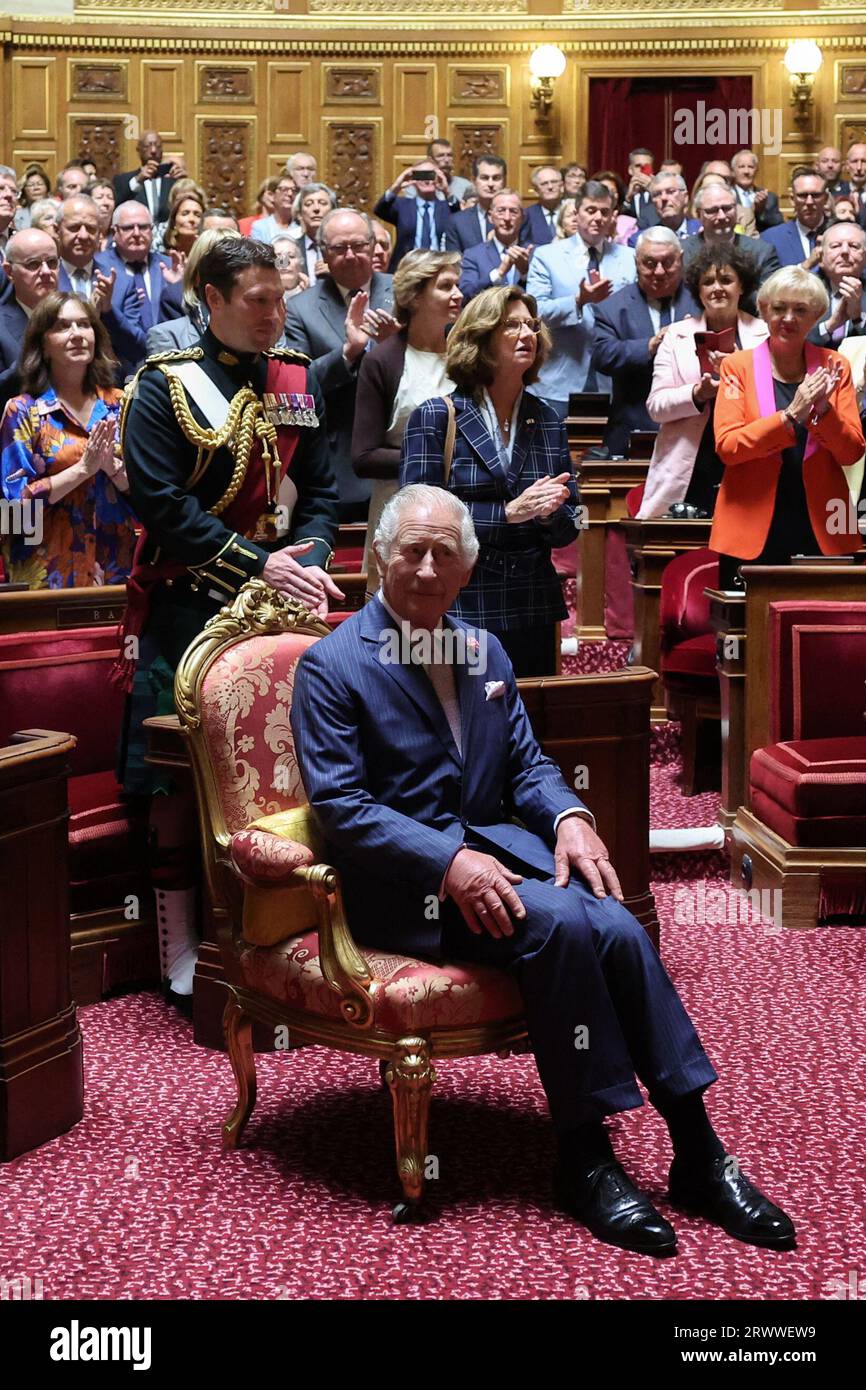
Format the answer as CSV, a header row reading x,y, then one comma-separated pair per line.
x,y
137,1201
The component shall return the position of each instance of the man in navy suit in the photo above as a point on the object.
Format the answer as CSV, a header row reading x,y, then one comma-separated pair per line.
x,y
629,327
156,280
90,274
152,181
744,167
841,270
457,838
31,264
423,221
796,242
502,260
541,216
469,228
717,209
637,194
828,163
669,197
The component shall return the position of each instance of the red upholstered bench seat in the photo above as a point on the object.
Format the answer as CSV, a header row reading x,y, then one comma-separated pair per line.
x,y
696,656
812,792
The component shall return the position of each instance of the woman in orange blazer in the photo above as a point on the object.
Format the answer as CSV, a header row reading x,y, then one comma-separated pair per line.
x,y
786,425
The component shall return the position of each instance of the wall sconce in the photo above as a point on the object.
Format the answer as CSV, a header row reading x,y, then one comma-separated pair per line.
x,y
545,65
802,58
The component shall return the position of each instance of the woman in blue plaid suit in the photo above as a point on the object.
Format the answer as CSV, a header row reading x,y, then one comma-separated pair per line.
x,y
510,465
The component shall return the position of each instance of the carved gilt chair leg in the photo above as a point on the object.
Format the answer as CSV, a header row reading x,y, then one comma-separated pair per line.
x,y
238,1028
410,1076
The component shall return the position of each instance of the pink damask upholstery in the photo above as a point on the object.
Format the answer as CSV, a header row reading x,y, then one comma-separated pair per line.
x,y
410,995
818,657
246,699
266,859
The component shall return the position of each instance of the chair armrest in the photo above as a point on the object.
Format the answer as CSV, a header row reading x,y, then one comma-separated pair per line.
x,y
343,966
265,859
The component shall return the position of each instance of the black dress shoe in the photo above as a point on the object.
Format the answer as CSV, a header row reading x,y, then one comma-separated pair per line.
x,y
602,1197
724,1196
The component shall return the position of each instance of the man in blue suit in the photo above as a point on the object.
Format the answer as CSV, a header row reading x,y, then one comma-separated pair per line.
x,y
472,226
155,279
541,216
629,328
569,278
502,260
841,271
457,838
796,242
31,264
423,221
90,274
669,198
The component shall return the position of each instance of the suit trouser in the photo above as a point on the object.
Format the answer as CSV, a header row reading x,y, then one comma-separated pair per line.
x,y
600,1005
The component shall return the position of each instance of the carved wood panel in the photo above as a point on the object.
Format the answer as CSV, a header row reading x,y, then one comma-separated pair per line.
x,y
852,80
477,86
226,162
354,84
352,162
216,82
34,107
100,139
851,130
94,81
472,140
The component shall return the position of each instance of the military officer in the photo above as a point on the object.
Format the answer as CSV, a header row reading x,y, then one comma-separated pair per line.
x,y
226,456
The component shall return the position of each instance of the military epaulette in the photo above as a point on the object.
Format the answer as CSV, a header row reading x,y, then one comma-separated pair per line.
x,y
288,355
187,354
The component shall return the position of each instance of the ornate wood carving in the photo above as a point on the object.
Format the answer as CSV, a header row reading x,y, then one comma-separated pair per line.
x,y
98,81
852,80
352,84
351,161
225,164
101,141
478,84
219,83
473,140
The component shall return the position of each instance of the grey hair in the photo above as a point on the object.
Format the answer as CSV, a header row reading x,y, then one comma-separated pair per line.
x,y
290,240
305,192
657,179
7,173
299,154
793,279
423,495
130,203
338,212
705,188
659,234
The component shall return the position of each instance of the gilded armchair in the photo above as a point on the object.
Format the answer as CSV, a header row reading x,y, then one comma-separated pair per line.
x,y
287,950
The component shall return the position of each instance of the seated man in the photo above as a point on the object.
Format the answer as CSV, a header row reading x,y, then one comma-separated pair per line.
x,y
416,772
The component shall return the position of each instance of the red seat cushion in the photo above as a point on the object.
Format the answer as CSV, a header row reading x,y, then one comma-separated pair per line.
x,y
411,995
812,792
684,610
694,657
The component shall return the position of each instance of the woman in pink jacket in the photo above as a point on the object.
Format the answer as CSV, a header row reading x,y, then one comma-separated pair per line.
x,y
684,466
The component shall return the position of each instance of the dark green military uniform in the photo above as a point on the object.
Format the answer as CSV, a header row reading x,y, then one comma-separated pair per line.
x,y
160,461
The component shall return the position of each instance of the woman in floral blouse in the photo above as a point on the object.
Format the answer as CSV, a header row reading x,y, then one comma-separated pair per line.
x,y
58,455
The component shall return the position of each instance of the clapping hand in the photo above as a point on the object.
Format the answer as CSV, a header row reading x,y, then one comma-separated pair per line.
x,y
706,389
540,500
173,274
379,324
356,335
99,452
811,399
517,256
593,292
103,288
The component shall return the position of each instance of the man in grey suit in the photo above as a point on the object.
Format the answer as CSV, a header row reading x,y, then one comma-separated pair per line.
x,y
332,323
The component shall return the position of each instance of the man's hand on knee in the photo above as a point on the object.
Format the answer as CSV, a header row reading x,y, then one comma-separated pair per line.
x,y
578,847
481,888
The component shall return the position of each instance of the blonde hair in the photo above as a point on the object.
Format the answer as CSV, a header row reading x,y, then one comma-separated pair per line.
x,y
468,359
413,275
792,279
567,205
203,243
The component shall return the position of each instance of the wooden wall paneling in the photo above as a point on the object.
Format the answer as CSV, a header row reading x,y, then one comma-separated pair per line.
x,y
91,80
355,84
352,159
471,138
166,95
34,98
415,105
100,137
47,157
225,158
850,130
479,84
289,106
232,84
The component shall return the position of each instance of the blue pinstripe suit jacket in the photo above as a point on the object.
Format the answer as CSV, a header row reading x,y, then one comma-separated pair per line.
x,y
394,796
514,583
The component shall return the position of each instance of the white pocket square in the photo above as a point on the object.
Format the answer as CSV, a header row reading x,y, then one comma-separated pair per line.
x,y
494,690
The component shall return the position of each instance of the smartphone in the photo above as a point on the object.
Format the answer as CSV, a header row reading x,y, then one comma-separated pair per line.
x,y
644,166
163,169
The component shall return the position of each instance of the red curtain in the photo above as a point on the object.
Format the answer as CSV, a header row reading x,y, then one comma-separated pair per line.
x,y
627,112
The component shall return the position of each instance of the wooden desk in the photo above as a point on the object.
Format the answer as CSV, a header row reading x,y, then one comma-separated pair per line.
x,y
40,610
604,486
651,546
728,617
41,1074
600,722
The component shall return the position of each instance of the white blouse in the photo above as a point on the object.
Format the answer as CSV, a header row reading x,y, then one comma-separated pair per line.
x,y
423,377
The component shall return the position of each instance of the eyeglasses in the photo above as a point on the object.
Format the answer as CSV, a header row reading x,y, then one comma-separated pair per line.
x,y
514,327
722,207
133,227
339,248
38,262
809,197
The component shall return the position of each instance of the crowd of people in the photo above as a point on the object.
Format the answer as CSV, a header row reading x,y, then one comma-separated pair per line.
x,y
635,286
